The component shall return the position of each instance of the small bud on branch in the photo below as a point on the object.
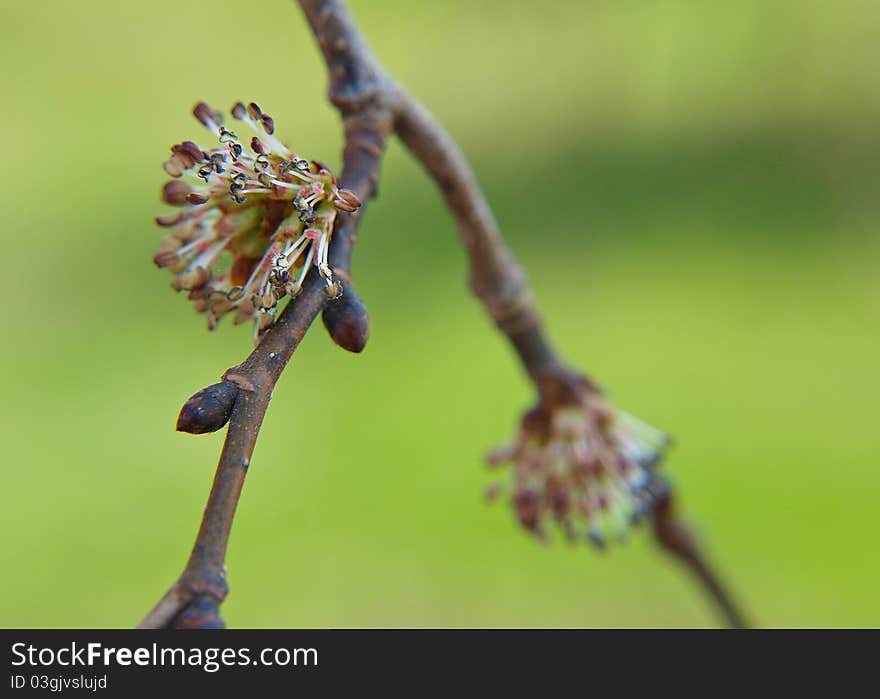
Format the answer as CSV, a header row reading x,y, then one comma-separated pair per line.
x,y
346,320
208,410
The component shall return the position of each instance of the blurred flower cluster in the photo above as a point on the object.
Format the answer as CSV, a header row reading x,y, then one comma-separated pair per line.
x,y
253,218
585,465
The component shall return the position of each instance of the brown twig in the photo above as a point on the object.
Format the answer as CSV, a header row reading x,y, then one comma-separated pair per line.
x,y
356,90
372,105
500,283
204,577
678,540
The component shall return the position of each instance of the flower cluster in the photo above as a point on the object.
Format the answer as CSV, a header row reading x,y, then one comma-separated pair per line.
x,y
253,219
585,465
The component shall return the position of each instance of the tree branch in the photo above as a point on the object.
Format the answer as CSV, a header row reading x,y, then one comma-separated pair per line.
x,y
678,540
193,601
495,277
204,578
372,105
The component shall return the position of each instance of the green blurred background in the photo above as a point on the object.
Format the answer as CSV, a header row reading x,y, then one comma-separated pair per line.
x,y
693,187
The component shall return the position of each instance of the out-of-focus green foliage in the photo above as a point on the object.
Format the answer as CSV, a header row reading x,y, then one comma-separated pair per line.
x,y
693,187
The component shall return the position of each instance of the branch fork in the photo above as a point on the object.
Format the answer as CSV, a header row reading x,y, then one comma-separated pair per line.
x,y
372,107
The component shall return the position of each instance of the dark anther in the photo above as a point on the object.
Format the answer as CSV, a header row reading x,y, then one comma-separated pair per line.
x,y
238,110
235,194
205,114
196,198
282,276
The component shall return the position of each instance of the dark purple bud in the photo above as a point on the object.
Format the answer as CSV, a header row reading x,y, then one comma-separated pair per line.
x,y
208,410
346,320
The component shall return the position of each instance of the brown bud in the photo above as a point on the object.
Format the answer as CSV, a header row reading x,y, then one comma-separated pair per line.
x,y
208,410
268,124
347,322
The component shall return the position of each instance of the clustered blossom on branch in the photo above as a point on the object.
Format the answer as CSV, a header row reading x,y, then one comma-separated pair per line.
x,y
583,464
254,219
